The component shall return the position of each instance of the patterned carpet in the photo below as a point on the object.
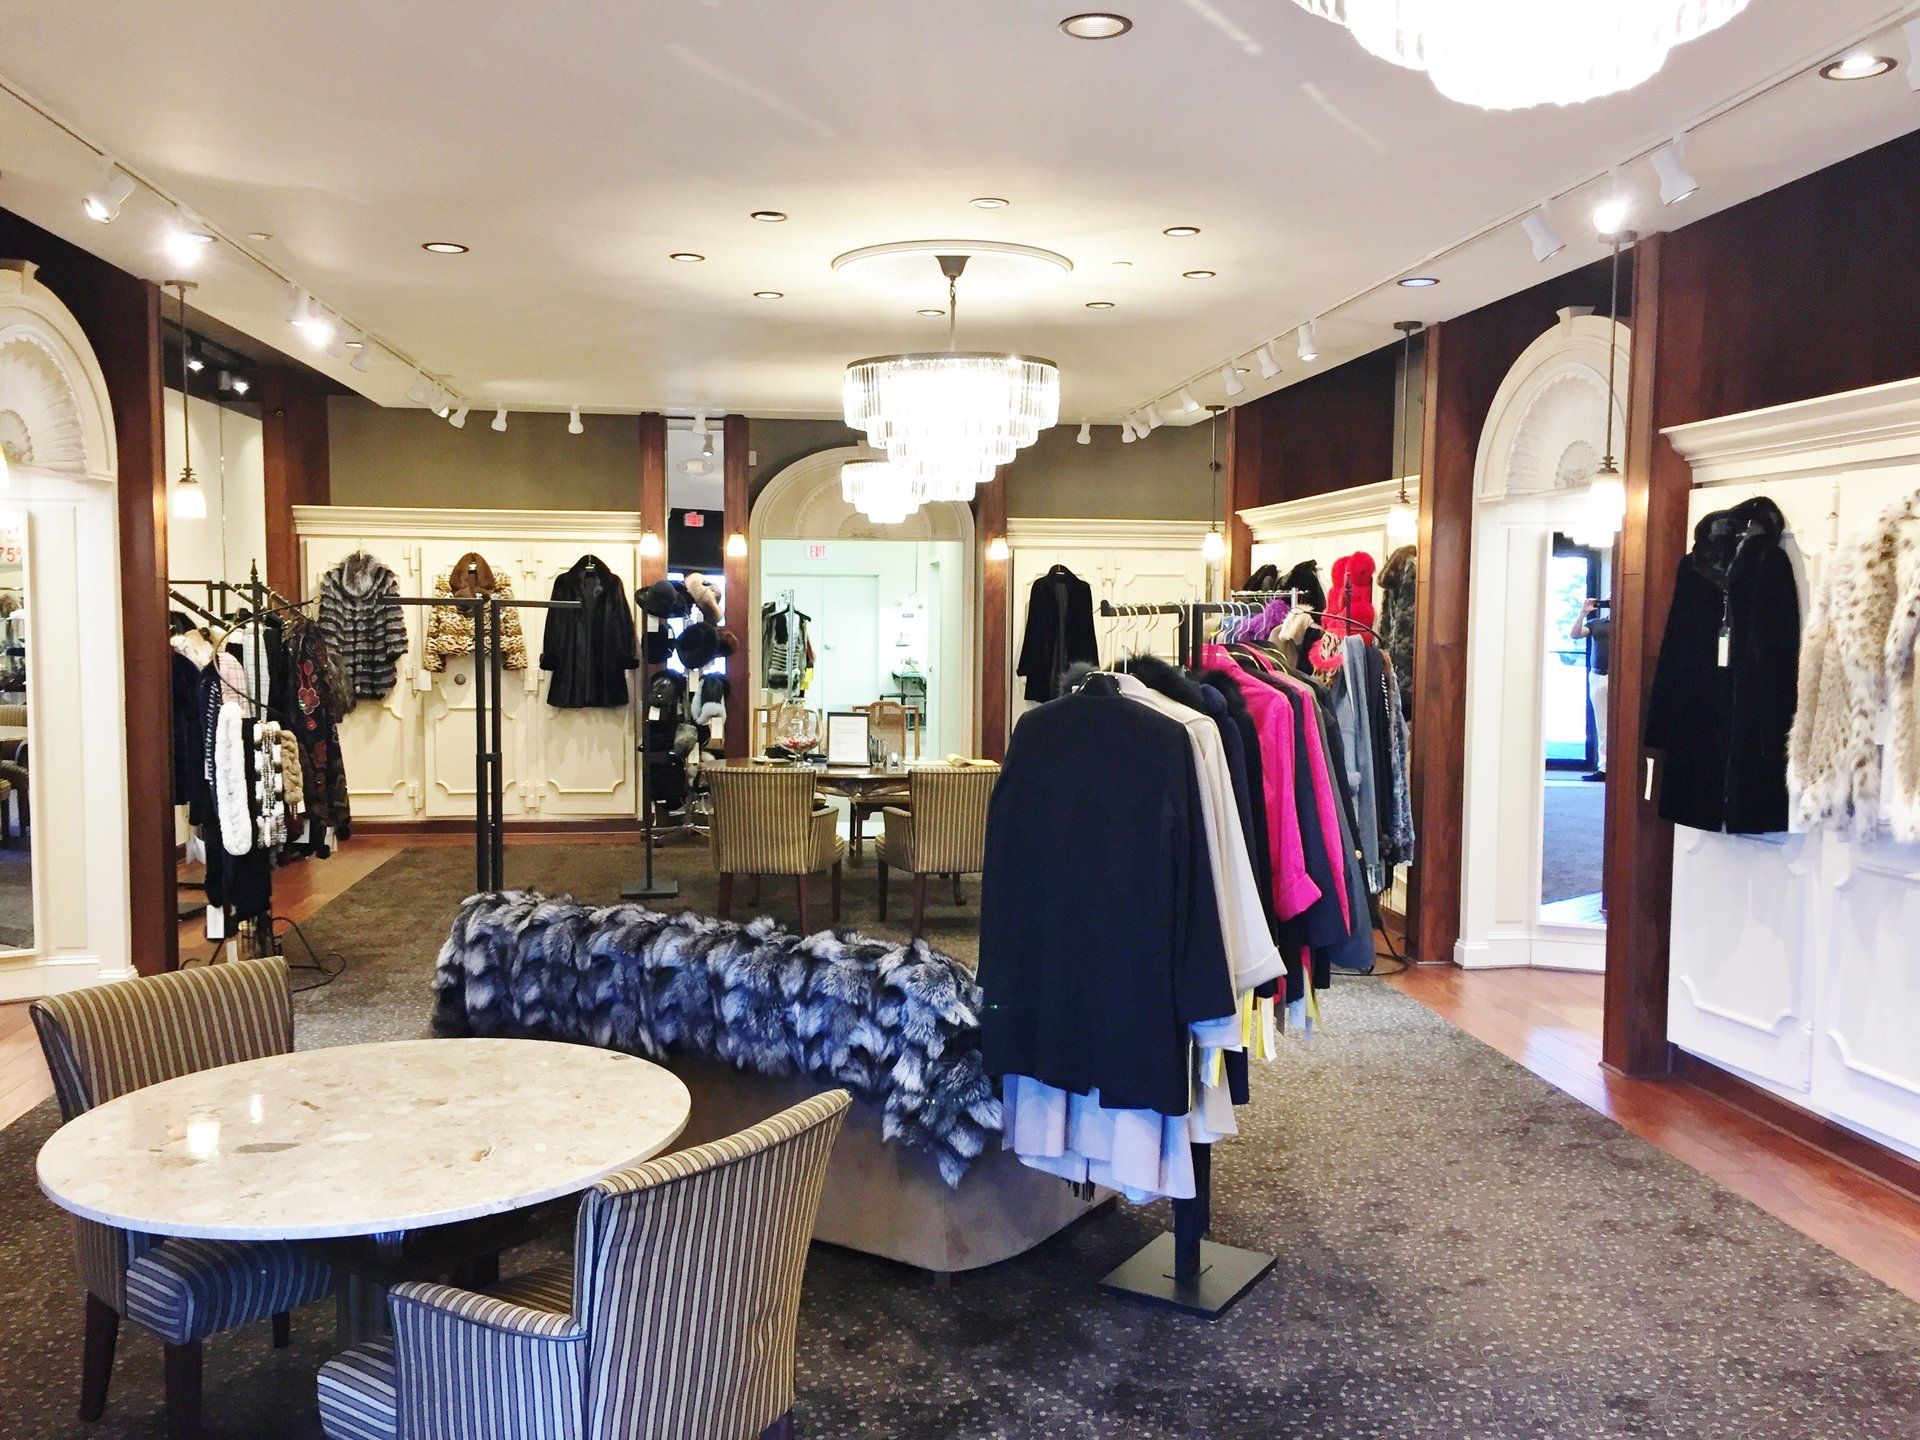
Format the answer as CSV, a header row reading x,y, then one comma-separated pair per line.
x,y
1464,1252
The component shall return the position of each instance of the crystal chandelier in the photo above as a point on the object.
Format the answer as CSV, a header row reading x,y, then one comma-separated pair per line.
x,y
1510,54
948,419
878,491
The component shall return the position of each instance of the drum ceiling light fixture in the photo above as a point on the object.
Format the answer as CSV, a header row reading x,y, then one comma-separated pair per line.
x,y
948,419
1512,54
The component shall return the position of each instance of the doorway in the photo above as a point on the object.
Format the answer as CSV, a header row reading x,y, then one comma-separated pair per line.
x,y
1577,632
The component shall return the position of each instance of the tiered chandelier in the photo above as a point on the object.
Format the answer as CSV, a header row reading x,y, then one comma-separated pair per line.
x,y
1511,54
946,419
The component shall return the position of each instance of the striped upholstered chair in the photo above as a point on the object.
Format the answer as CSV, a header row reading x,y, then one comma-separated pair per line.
x,y
944,832
106,1040
766,821
675,1319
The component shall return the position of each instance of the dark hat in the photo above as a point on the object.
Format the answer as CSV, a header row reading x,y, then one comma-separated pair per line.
x,y
698,644
729,642
659,646
664,692
665,600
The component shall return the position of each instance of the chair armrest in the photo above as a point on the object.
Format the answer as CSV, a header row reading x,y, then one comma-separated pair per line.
x,y
898,812
456,1351
822,808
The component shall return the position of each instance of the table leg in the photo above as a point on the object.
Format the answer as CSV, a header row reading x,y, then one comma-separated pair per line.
x,y
360,1309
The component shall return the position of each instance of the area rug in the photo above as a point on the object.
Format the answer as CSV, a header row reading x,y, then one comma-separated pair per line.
x,y
1573,839
1463,1252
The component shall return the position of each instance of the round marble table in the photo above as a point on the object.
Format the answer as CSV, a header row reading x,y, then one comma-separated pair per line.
x,y
362,1140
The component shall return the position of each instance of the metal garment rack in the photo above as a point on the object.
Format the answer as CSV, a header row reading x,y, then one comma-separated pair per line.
x,y
1184,1270
648,886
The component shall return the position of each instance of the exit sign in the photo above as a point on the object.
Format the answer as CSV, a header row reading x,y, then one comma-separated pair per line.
x,y
816,552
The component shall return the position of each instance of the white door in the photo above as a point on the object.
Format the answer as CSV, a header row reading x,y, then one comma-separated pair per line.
x,y
581,763
448,703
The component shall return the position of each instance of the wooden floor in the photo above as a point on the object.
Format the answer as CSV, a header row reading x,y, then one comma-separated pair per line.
x,y
1545,1020
1550,1022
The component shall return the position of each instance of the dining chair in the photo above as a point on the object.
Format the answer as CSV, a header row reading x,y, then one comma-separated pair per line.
x,y
896,729
771,723
675,1319
942,832
768,821
106,1040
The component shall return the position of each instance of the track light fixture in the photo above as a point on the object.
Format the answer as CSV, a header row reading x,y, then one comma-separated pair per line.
x,y
1230,377
1269,365
1307,346
699,422
500,418
574,427
1676,182
1546,240
1152,412
1127,436
459,418
1188,405
362,357
104,201
1085,437
420,392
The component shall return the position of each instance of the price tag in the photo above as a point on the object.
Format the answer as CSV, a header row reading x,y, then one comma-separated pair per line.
x,y
1726,644
653,712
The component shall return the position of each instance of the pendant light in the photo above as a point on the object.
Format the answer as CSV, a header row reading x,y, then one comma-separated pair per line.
x,y
1607,495
1213,544
189,500
1403,519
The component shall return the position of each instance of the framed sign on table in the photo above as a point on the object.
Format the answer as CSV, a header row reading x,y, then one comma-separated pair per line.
x,y
847,736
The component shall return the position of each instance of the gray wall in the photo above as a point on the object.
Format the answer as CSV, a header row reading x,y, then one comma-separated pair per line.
x,y
1163,477
410,457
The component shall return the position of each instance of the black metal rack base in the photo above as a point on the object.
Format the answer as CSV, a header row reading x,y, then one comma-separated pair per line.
x,y
1221,1275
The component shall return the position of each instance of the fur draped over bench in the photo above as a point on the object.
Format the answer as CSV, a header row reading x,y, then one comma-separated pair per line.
x,y
898,1025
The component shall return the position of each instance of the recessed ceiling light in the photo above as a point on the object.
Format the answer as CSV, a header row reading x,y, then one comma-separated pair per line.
x,y
1860,65
1420,282
259,235
1099,304
768,217
769,295
445,247
355,344
1096,25
1196,274
1180,232
1123,264
686,257
930,314
196,237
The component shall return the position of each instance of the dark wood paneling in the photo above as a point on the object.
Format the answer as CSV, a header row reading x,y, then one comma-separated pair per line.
x,y
734,444
1245,463
990,524
1329,432
653,492
295,464
1801,292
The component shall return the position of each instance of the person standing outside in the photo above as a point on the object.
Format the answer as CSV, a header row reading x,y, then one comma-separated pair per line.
x,y
1595,626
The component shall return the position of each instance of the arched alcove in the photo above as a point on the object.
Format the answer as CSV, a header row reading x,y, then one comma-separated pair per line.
x,y
803,502
1543,441
56,427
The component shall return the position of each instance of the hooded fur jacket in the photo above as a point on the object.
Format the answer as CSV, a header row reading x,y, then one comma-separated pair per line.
x,y
450,627
1856,675
1722,728
1351,595
364,627
898,1025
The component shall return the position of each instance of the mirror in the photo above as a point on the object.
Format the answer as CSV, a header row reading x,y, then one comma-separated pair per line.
x,y
16,811
1573,695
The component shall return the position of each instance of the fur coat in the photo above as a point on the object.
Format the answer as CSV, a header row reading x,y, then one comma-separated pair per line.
x,y
1351,595
450,627
1398,587
898,1025
1856,674
364,627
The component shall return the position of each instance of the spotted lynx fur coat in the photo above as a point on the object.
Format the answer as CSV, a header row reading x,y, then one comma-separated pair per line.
x,y
1858,687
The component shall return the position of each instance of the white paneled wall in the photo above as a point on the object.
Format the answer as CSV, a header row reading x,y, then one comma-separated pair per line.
x,y
1793,959
411,755
1129,562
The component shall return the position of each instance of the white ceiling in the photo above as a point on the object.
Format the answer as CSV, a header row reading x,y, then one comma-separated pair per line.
x,y
573,147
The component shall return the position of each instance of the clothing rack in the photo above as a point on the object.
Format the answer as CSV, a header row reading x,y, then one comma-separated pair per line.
x,y
649,886
1292,597
1184,1270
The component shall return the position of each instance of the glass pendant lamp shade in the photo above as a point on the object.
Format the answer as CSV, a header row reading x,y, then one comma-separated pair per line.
x,y
1511,54
878,491
1607,503
951,418
1403,522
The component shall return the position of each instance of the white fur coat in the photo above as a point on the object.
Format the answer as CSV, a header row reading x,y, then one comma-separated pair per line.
x,y
1857,676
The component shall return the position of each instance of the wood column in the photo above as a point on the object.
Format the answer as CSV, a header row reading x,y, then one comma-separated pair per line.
x,y
990,524
122,319
742,684
1638,876
295,461
653,492
1240,492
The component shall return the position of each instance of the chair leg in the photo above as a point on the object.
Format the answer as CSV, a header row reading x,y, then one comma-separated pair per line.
x,y
183,1391
919,903
959,895
836,892
96,1360
725,902
884,867
282,1330
806,914
781,1429
855,817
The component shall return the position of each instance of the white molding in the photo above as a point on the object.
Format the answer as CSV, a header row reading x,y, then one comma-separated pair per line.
x,y
1358,507
424,523
1879,423
1046,531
